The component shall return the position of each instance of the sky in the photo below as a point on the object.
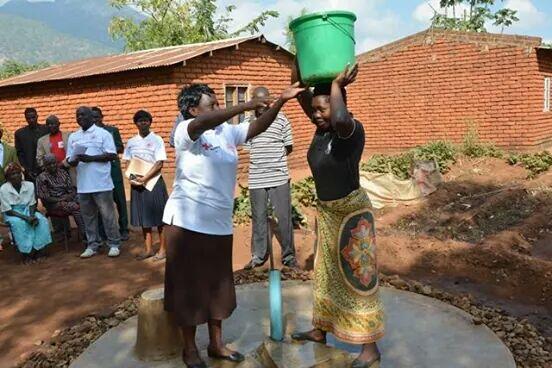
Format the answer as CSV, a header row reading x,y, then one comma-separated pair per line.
x,y
382,21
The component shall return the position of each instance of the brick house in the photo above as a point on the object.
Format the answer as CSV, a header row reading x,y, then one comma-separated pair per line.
x,y
435,83
431,85
151,79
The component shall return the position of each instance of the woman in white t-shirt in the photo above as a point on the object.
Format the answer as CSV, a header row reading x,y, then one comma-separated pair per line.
x,y
199,285
146,207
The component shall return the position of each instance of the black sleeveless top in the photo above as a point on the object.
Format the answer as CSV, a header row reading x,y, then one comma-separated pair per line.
x,y
334,163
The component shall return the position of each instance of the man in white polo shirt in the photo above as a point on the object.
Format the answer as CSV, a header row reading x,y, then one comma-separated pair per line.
x,y
91,149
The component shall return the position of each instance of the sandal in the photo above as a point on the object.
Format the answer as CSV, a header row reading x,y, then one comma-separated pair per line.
x,y
144,256
159,257
306,336
234,357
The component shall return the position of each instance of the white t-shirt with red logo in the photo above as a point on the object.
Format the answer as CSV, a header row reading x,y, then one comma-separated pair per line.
x,y
202,199
150,149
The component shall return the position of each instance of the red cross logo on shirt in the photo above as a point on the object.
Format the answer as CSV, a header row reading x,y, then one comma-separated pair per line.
x,y
206,146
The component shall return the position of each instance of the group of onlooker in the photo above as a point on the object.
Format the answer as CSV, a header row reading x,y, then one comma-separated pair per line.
x,y
79,174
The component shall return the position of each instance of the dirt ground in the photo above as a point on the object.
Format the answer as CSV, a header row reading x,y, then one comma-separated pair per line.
x,y
486,232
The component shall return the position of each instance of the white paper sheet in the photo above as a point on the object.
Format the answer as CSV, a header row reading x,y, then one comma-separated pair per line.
x,y
78,149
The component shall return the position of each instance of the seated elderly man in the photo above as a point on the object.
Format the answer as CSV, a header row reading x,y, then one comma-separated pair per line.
x,y
56,191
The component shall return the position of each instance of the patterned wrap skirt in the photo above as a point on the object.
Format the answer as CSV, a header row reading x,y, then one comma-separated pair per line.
x,y
346,299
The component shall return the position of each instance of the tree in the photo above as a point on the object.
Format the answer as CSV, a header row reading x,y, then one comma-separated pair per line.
x,y
178,22
290,40
474,17
11,68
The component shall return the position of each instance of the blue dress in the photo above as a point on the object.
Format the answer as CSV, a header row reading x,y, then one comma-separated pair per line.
x,y
26,237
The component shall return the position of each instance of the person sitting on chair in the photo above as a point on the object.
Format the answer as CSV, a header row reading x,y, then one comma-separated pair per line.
x,y
29,228
56,191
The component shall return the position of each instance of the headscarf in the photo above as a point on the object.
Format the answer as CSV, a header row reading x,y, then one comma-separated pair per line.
x,y
12,168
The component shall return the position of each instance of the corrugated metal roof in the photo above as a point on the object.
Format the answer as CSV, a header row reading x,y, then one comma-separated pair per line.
x,y
152,58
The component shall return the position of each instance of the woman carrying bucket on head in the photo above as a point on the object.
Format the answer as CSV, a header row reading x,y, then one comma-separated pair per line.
x,y
346,300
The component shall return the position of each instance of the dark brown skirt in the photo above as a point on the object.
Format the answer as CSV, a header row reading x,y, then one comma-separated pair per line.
x,y
199,283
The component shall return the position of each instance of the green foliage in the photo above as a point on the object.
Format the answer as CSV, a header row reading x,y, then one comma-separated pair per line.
x,y
303,193
171,23
290,41
444,153
474,19
505,18
242,206
299,220
536,163
474,148
398,165
11,68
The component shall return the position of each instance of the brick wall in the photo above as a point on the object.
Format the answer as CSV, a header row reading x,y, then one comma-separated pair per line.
x,y
254,64
120,95
433,85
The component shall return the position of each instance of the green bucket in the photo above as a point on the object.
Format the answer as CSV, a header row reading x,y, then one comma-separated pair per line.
x,y
325,44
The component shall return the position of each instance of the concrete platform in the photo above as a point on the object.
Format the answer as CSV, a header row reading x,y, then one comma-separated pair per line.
x,y
421,333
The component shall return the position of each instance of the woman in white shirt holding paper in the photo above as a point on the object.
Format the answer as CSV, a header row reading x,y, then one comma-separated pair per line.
x,y
147,204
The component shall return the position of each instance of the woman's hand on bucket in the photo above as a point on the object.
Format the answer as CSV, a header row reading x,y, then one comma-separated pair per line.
x,y
292,91
347,76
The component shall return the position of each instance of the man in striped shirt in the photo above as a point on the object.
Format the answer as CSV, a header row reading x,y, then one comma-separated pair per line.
x,y
269,181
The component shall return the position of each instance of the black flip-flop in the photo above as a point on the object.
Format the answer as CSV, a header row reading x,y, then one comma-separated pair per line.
x,y
235,357
305,336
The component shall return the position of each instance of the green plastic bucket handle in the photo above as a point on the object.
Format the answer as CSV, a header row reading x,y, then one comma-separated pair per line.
x,y
338,26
